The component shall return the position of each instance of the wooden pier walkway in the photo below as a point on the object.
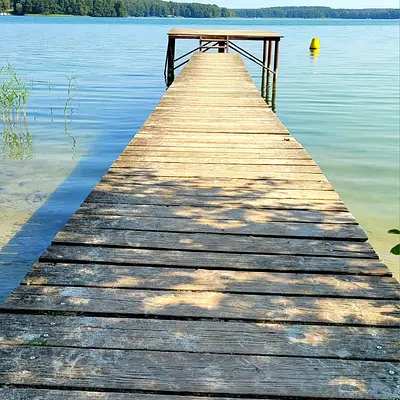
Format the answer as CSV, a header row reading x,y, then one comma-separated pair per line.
x,y
213,260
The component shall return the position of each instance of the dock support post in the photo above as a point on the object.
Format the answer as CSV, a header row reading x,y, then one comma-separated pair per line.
x,y
269,61
170,61
221,47
269,54
276,61
264,71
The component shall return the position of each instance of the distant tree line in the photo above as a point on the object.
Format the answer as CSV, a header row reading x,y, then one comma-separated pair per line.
x,y
319,12
94,8
159,8
4,5
120,8
156,8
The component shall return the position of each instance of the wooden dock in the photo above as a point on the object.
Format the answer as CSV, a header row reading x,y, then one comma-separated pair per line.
x,y
213,260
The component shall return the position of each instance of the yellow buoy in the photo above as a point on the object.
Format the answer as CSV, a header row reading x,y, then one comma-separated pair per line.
x,y
315,44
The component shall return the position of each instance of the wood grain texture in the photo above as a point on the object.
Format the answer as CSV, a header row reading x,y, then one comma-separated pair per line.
x,y
129,158
52,394
215,261
189,304
271,229
197,373
213,242
205,33
249,215
260,185
197,143
138,277
123,196
217,192
201,336
242,173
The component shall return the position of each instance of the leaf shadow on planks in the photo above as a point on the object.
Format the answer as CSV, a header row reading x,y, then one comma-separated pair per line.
x,y
213,287
111,260
129,214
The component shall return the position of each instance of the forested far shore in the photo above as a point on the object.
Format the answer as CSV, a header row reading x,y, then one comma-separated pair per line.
x,y
159,8
319,12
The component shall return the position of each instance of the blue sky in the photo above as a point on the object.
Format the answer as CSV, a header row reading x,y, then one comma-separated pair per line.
x,y
328,3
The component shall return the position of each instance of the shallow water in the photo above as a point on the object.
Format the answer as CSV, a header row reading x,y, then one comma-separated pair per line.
x,y
343,106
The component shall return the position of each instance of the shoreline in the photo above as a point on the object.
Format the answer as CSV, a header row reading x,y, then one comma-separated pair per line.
x,y
202,18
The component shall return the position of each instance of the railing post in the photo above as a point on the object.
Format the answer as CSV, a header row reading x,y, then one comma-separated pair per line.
x,y
269,54
221,47
264,71
276,60
170,61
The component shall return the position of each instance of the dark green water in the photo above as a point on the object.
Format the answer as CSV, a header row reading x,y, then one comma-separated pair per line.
x,y
342,105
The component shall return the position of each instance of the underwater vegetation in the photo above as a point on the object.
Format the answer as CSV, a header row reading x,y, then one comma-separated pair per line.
x,y
15,136
13,98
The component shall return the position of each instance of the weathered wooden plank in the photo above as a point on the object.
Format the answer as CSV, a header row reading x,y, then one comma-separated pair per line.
x,y
213,214
137,277
262,124
220,173
175,101
236,193
195,168
215,33
222,148
127,157
51,394
215,261
214,144
197,373
271,229
200,336
275,156
213,242
262,185
100,196
189,304
238,138
213,113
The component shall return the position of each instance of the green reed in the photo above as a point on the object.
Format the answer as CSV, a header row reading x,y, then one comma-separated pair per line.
x,y
72,91
13,99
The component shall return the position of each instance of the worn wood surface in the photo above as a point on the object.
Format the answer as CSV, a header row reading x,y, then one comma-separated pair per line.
x,y
215,33
51,394
167,199
213,260
214,214
139,277
363,343
212,242
216,261
223,374
237,227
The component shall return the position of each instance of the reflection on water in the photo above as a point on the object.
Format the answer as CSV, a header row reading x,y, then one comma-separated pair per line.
x,y
269,89
17,143
314,53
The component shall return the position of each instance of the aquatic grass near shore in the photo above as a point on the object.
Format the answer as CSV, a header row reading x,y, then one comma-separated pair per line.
x,y
13,99
15,137
68,107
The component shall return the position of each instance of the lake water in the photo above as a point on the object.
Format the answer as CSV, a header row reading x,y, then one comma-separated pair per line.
x,y
93,82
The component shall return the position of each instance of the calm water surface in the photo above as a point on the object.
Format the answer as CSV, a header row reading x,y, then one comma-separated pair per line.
x,y
343,106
